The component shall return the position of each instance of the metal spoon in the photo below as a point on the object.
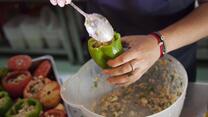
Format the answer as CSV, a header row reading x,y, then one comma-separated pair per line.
x,y
97,25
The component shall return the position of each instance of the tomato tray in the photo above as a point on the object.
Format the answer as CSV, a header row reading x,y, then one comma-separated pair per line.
x,y
54,75
31,84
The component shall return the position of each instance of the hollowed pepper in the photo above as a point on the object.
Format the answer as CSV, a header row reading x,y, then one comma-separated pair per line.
x,y
25,108
15,82
5,103
102,52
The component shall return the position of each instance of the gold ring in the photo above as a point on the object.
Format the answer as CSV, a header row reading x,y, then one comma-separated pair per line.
x,y
132,68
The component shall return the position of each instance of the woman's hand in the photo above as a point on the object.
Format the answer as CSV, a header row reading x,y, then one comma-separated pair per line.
x,y
61,3
142,53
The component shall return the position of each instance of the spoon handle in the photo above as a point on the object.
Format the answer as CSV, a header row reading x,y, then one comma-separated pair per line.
x,y
78,9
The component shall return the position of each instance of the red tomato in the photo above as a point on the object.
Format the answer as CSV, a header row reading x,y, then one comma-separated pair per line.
x,y
43,69
19,62
54,113
15,82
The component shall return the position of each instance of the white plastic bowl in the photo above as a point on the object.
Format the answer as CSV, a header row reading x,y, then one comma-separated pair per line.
x,y
78,93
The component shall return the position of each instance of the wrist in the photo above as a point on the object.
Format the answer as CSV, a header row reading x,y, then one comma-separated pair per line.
x,y
160,41
170,41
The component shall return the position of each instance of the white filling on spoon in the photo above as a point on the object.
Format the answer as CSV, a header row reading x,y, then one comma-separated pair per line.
x,y
99,28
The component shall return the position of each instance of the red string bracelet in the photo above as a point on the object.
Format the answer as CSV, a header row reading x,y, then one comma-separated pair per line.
x,y
161,43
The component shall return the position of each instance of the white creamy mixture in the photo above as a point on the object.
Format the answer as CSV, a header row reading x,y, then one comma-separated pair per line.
x,y
99,28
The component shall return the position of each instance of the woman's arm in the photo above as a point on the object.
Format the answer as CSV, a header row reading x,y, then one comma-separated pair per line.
x,y
144,50
188,30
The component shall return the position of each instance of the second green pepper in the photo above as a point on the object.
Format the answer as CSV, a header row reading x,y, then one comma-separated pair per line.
x,y
25,108
102,53
5,102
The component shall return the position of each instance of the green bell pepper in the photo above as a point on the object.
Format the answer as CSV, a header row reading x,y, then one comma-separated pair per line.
x,y
3,72
5,102
102,52
25,108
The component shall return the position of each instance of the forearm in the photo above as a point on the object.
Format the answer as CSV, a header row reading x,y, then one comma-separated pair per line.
x,y
188,30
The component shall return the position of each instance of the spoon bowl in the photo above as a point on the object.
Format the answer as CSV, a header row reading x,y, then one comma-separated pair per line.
x,y
96,25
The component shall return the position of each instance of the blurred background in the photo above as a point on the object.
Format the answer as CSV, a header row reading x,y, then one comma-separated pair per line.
x,y
37,28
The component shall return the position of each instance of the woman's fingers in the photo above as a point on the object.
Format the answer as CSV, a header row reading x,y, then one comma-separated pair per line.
x,y
123,58
118,79
61,3
129,78
137,75
120,70
125,79
53,2
123,69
